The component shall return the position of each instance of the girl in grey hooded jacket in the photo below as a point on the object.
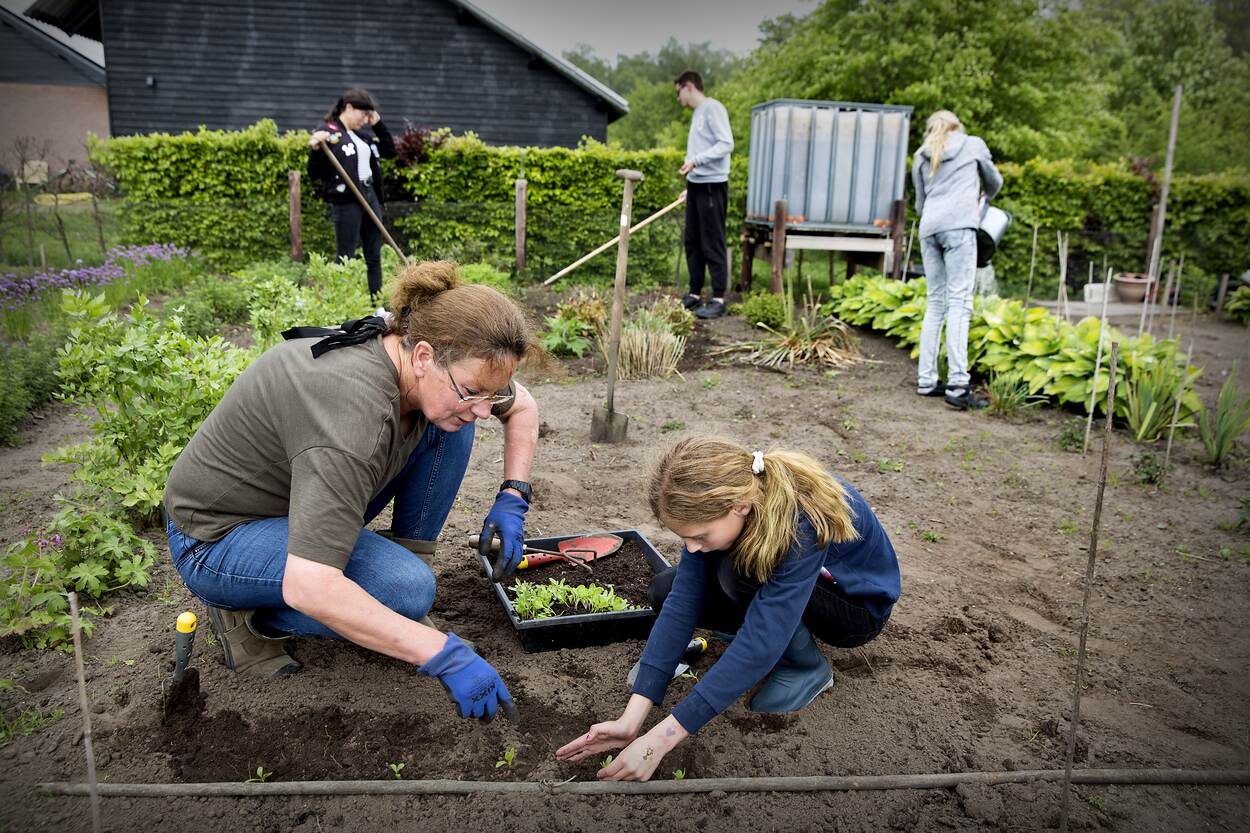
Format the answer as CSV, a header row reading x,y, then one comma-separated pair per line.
x,y
950,170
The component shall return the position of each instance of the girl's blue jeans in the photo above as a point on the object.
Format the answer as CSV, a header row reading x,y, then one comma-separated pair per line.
x,y
243,570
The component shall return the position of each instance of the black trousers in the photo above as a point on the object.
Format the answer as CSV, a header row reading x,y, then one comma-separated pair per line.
x,y
706,203
831,615
353,229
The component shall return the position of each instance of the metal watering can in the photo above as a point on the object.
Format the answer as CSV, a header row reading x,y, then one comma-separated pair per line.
x,y
994,224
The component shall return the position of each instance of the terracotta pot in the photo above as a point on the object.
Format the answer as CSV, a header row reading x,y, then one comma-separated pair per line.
x,y
1131,286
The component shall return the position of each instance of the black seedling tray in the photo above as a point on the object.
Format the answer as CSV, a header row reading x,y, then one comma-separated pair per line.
x,y
584,629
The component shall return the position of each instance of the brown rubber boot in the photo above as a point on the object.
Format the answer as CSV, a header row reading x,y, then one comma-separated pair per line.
x,y
246,649
421,549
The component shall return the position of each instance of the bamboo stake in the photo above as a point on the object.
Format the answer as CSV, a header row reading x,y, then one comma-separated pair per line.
x,y
1176,410
1102,328
93,788
1089,581
1180,276
643,224
1028,293
1062,301
813,783
906,258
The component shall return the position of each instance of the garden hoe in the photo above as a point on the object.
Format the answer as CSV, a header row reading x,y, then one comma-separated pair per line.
x,y
183,688
606,425
576,551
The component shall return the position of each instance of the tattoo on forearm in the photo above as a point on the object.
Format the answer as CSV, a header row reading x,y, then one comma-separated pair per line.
x,y
646,756
669,732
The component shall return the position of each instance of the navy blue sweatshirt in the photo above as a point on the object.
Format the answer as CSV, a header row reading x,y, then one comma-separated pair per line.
x,y
866,569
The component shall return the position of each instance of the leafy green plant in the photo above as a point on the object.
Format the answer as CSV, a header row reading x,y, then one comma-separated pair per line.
x,y
930,536
669,309
1072,436
762,308
588,306
262,775
672,425
506,757
1237,305
1219,430
1152,387
607,761
1148,467
27,377
565,337
24,722
711,381
813,338
396,770
1009,394
679,775
538,601
1243,514
886,464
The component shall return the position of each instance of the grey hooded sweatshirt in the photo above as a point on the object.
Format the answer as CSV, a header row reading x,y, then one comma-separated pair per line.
x,y
948,199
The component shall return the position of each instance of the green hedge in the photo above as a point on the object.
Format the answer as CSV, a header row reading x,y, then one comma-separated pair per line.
x,y
224,193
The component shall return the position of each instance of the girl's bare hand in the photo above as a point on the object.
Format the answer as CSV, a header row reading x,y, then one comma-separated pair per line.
x,y
602,737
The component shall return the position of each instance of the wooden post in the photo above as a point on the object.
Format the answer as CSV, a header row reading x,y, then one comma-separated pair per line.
x,y
85,705
1152,272
1093,389
294,209
618,292
1089,581
779,244
748,260
1167,293
43,258
1219,297
1061,301
521,219
898,221
1180,277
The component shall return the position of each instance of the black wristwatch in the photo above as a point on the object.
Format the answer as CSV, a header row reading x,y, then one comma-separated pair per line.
x,y
526,490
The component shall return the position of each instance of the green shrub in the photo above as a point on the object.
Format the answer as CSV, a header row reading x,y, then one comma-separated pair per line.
x,y
565,336
209,305
669,309
487,275
762,307
1237,305
587,305
1219,430
27,377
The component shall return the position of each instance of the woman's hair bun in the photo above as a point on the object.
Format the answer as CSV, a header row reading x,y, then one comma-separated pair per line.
x,y
417,283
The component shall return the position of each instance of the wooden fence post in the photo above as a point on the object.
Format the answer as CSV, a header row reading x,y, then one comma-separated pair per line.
x,y
779,244
520,227
297,228
1220,296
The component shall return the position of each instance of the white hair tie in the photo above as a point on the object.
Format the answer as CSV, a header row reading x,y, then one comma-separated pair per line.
x,y
757,462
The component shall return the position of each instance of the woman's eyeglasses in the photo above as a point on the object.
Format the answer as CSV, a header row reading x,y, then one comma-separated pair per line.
x,y
493,399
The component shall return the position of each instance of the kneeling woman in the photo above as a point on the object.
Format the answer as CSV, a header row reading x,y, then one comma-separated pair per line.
x,y
775,550
266,506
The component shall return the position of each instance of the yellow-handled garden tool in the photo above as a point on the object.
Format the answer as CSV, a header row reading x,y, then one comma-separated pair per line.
x,y
183,687
576,551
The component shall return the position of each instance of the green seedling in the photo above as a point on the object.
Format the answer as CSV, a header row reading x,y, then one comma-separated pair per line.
x,y
690,674
930,536
607,761
710,382
886,464
262,775
126,662
1069,528
1097,802
679,775
506,759
27,722
673,425
396,769
848,424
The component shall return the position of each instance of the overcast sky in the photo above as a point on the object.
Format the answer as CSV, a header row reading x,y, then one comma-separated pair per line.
x,y
615,27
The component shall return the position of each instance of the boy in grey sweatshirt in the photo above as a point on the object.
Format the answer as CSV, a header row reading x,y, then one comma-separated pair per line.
x,y
707,194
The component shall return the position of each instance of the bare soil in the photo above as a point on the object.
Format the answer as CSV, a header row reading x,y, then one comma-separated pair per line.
x,y
991,520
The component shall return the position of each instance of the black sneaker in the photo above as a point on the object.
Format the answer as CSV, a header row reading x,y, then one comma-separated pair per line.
x,y
691,301
937,390
965,399
712,309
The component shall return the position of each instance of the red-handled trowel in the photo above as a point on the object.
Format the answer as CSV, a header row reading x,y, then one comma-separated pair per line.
x,y
577,551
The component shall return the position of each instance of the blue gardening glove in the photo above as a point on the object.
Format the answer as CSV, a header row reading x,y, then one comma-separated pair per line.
x,y
472,683
507,519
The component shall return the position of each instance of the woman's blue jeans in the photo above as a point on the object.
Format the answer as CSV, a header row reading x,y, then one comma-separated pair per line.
x,y
243,570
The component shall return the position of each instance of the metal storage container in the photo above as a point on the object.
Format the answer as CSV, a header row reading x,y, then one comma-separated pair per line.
x,y
840,166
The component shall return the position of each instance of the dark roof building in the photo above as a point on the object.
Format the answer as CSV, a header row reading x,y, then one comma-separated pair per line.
x,y
52,95
174,65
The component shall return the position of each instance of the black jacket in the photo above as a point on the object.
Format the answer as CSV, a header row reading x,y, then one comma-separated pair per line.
x,y
333,189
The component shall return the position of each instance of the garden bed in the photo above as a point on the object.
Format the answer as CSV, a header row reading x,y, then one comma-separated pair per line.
x,y
990,519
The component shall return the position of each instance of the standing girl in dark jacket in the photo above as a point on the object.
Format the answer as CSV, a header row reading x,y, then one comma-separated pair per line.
x,y
360,156
775,550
